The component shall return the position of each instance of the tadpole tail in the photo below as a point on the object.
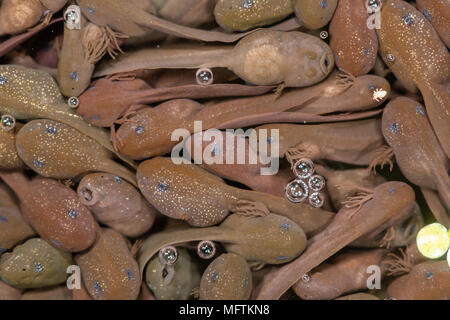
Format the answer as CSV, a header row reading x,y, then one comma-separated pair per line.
x,y
436,207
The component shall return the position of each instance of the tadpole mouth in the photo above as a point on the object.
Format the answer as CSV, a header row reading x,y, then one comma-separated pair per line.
x,y
87,196
326,62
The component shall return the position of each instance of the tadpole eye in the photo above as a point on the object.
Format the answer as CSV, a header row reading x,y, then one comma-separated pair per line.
x,y
327,62
168,255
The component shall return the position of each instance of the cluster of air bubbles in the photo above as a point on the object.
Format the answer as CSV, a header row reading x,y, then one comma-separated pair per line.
x,y
307,185
206,249
204,76
7,122
168,255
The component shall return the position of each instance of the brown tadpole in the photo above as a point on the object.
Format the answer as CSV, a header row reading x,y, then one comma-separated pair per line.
x,y
269,239
148,132
314,14
110,99
343,274
14,228
29,94
359,296
168,187
354,44
56,150
429,280
226,161
52,293
133,17
54,211
265,57
438,13
418,152
352,142
234,15
116,203
387,205
108,269
9,159
412,49
228,277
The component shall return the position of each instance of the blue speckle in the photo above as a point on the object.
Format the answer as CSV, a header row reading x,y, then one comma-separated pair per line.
x,y
90,10
95,117
394,127
97,287
323,4
429,275
3,219
371,87
162,186
118,179
270,140
245,282
427,14
214,277
408,20
51,130
391,190
366,52
285,226
2,250
74,75
130,275
72,213
91,88
283,258
419,110
38,163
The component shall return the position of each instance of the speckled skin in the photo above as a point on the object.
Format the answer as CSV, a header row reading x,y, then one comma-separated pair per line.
x,y
9,159
346,273
13,227
74,68
421,60
314,14
34,264
417,151
116,203
438,13
108,268
54,211
354,44
107,100
173,282
228,277
390,203
188,192
349,142
33,94
53,293
17,16
56,150
270,239
426,281
233,15
9,293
